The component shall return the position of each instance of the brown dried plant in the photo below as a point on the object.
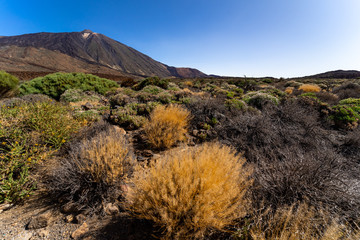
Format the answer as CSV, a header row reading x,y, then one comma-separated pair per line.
x,y
167,126
310,88
188,192
106,157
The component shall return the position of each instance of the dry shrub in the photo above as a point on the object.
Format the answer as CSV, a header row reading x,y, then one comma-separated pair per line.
x,y
289,90
301,222
328,97
188,83
106,157
190,191
296,156
347,90
310,88
167,126
93,169
321,180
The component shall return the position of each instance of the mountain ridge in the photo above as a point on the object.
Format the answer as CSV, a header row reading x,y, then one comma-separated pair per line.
x,y
346,74
94,49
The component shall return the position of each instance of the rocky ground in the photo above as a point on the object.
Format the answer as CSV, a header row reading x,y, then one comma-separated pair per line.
x,y
40,219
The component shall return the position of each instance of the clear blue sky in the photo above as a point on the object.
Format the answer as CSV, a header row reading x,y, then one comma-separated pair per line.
x,y
280,38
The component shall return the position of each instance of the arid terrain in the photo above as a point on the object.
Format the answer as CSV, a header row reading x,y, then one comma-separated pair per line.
x,y
84,157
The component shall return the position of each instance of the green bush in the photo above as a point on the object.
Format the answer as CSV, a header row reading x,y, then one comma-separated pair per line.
x,y
165,97
132,115
56,84
352,101
152,89
156,81
259,99
344,115
309,94
29,133
235,104
8,83
347,113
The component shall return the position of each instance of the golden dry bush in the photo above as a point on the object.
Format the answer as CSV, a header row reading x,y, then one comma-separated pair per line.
x,y
301,222
106,157
188,192
92,169
189,83
289,90
167,126
310,88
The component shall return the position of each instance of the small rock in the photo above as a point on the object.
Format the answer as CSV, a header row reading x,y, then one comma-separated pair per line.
x,y
80,218
195,132
39,221
69,218
25,236
120,130
80,231
6,206
111,209
43,233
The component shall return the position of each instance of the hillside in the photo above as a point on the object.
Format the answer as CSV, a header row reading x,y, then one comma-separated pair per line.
x,y
85,51
338,74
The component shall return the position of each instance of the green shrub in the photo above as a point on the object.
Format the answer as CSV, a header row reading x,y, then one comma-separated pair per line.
x,y
309,94
259,99
344,115
154,90
173,87
29,133
8,84
119,99
132,116
352,101
78,95
145,97
156,81
235,104
347,113
56,84
165,97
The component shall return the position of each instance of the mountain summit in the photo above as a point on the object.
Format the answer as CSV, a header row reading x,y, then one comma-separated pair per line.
x,y
84,51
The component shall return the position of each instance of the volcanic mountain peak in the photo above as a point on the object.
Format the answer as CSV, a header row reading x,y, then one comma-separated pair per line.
x,y
87,31
96,49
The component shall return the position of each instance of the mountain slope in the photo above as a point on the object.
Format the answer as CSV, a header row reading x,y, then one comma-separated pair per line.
x,y
349,74
97,49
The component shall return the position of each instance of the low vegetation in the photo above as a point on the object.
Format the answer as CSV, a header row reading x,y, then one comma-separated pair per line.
x,y
188,192
167,126
8,84
211,158
92,170
55,84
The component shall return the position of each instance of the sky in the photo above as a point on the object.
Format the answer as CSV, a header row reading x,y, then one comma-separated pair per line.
x,y
253,38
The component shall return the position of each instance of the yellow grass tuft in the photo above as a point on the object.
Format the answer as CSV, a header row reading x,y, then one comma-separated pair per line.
x,y
167,126
106,157
190,191
189,83
310,88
